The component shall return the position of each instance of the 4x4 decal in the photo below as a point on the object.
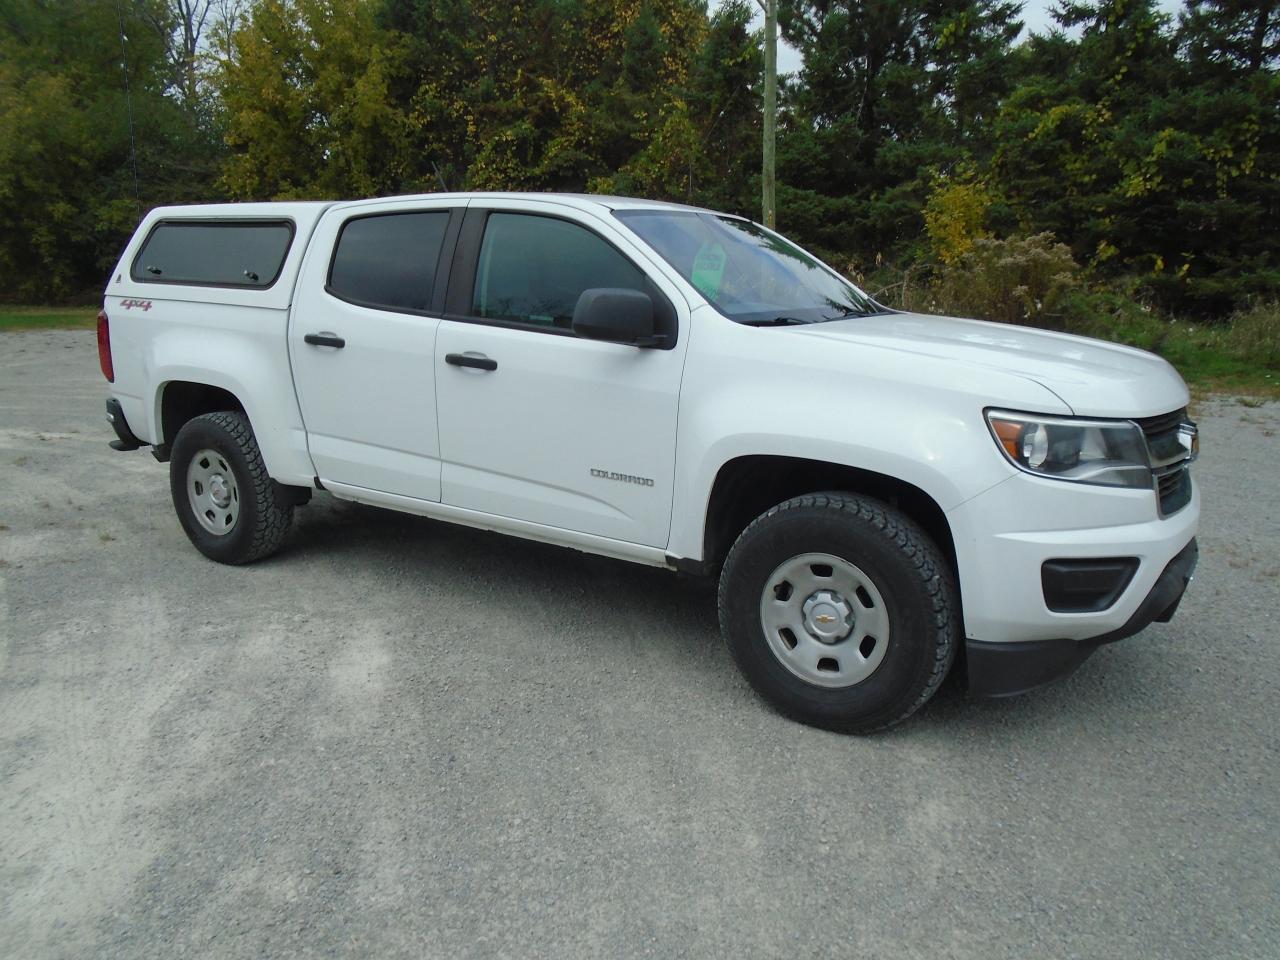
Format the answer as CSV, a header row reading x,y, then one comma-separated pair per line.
x,y
140,304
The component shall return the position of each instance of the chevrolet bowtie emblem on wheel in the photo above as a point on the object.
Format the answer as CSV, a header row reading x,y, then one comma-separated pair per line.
x,y
825,618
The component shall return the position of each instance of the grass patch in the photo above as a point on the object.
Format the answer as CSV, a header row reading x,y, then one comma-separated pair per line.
x,y
47,318
1208,368
1241,355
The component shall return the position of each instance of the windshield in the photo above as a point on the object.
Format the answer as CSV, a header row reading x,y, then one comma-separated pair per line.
x,y
747,273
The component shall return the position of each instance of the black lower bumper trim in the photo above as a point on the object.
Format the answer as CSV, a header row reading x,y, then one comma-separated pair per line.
x,y
125,440
1006,669
1162,601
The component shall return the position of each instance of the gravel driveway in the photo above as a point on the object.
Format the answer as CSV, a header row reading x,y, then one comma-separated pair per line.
x,y
399,738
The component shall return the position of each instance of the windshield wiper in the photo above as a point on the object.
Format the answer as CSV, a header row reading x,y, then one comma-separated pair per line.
x,y
774,322
845,314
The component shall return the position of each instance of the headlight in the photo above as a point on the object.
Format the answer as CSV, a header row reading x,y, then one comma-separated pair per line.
x,y
1112,453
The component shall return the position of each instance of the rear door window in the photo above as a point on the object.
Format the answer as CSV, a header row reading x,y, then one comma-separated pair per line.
x,y
388,261
220,254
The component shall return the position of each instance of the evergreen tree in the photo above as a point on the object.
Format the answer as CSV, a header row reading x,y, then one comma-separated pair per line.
x,y
1231,34
890,91
724,101
1150,166
1071,140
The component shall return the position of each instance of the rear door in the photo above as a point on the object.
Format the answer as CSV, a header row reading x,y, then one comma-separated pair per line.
x,y
362,339
536,424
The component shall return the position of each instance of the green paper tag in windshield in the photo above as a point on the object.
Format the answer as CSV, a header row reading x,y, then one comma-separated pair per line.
x,y
708,270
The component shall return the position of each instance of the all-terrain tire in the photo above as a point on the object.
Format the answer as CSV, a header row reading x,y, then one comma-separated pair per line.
x,y
258,510
910,593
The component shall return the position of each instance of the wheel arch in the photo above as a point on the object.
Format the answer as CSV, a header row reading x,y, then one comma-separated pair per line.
x,y
192,369
179,401
747,486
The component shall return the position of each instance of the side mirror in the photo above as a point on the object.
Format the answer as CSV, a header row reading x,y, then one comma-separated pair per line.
x,y
617,315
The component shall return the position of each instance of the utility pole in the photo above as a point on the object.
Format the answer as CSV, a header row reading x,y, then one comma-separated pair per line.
x,y
768,205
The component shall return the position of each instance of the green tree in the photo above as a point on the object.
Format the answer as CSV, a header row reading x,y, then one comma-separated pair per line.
x,y
68,199
1231,34
305,92
1150,165
548,94
1225,118
890,91
1067,136
724,102
707,137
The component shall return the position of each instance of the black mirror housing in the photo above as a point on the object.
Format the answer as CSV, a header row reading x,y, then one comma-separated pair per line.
x,y
617,315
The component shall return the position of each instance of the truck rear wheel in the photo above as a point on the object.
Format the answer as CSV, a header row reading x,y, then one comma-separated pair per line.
x,y
840,611
228,505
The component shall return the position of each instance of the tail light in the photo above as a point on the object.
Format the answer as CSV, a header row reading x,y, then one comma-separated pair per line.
x,y
104,347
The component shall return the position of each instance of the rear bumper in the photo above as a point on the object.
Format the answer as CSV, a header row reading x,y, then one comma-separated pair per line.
x,y
1006,669
125,440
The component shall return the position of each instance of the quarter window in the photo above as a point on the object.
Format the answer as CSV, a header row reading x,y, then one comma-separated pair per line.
x,y
389,260
532,269
220,254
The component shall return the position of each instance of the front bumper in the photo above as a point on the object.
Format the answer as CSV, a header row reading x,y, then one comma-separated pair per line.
x,y
1004,536
1019,638
1006,669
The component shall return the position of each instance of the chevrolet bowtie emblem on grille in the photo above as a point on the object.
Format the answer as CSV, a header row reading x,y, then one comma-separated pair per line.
x,y
825,618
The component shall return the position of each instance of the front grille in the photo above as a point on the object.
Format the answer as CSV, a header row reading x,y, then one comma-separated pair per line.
x,y
1174,490
1155,426
1170,482
1169,457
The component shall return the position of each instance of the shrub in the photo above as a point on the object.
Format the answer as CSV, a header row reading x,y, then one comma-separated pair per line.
x,y
1018,280
898,287
955,215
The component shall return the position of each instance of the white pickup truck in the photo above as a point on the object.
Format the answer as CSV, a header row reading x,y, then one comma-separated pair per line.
x,y
880,493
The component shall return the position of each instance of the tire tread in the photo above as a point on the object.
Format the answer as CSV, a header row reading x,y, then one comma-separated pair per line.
x,y
914,544
273,512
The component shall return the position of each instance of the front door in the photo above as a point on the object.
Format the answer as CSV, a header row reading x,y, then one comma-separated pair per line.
x,y
362,341
536,424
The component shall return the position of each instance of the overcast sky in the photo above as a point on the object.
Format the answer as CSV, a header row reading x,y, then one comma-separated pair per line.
x,y
1035,14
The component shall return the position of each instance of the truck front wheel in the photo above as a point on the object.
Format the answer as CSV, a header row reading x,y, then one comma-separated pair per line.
x,y
228,505
840,611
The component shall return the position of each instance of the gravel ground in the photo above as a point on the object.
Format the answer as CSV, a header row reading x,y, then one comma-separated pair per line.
x,y
403,739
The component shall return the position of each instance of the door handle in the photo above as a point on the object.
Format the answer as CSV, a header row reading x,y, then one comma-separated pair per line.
x,y
466,360
324,340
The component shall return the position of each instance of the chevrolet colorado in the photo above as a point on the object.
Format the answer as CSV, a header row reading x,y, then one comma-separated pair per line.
x,y
881,494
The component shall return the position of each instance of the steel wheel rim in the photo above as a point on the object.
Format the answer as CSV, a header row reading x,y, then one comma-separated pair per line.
x,y
825,620
213,492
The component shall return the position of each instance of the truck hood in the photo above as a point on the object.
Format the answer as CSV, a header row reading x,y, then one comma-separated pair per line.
x,y
1092,377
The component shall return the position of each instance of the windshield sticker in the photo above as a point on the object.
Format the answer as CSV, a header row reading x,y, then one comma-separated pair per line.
x,y
708,270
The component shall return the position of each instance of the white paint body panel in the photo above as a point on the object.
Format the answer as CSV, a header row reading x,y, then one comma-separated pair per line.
x,y
601,546
386,421
370,407
1095,378
224,337
522,441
